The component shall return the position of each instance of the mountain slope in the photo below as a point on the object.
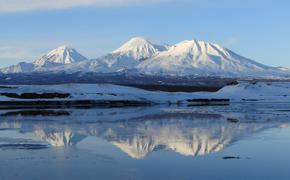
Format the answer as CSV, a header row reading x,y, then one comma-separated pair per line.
x,y
21,67
187,58
60,56
140,56
138,49
127,57
203,59
130,54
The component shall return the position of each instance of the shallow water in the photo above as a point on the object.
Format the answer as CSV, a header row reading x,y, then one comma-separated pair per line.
x,y
240,141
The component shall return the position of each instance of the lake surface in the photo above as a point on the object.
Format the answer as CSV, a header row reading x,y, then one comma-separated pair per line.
x,y
240,141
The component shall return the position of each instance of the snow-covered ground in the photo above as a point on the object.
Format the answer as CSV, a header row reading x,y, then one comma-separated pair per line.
x,y
244,91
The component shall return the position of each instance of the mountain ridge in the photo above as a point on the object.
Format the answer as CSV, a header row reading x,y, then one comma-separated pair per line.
x,y
62,55
140,56
192,57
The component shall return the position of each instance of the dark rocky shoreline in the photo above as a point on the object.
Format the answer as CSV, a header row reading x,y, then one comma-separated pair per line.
x,y
44,104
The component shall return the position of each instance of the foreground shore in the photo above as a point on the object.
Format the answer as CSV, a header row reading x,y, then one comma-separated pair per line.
x,y
108,95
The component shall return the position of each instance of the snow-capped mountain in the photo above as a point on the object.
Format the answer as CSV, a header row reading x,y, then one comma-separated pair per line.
x,y
140,56
21,67
187,58
62,55
139,49
203,59
127,57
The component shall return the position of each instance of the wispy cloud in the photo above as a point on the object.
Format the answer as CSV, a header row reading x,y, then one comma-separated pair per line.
x,y
8,53
32,5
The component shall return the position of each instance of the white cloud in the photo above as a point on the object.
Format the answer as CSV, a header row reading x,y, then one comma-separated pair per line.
x,y
30,5
8,53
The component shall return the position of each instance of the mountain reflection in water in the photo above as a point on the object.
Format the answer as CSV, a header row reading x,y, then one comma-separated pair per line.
x,y
141,131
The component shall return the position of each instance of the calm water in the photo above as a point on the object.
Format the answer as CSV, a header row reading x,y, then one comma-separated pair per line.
x,y
241,141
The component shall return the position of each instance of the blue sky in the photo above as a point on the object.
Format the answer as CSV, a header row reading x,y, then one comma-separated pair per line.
x,y
257,29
